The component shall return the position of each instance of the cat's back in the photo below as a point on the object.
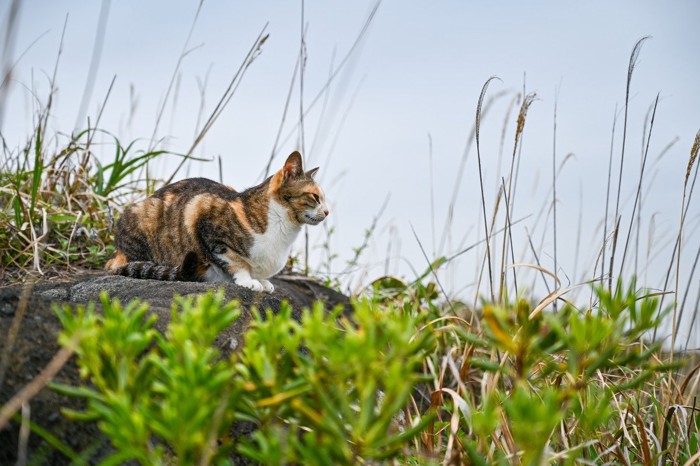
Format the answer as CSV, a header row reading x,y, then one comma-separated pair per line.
x,y
160,228
168,204
191,187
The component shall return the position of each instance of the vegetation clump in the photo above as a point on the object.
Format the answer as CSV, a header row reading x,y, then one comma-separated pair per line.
x,y
413,377
326,390
57,204
400,381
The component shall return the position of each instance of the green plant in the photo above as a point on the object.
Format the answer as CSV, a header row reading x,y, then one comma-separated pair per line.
x,y
149,390
329,390
536,387
57,203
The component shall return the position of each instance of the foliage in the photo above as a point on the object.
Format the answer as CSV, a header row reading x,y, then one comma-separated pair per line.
x,y
152,391
405,378
57,202
521,385
412,377
328,389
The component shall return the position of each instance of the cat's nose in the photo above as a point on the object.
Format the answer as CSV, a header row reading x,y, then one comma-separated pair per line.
x,y
326,212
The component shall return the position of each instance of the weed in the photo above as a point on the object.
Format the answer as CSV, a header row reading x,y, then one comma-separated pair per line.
x,y
324,390
173,387
58,205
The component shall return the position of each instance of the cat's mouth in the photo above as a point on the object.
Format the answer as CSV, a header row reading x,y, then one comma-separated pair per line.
x,y
314,219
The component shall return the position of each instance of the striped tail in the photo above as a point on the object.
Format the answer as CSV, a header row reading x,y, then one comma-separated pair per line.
x,y
189,271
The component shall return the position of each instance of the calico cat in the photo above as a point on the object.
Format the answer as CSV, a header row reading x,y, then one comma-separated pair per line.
x,y
200,230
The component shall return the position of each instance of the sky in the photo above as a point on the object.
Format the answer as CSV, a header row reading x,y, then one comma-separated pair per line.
x,y
393,125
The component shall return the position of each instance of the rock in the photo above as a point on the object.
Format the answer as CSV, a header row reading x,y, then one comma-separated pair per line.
x,y
36,343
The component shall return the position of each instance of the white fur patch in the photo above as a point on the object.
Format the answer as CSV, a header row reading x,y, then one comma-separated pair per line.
x,y
215,274
243,279
271,249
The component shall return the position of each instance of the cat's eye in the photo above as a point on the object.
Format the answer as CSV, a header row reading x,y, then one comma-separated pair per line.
x,y
316,198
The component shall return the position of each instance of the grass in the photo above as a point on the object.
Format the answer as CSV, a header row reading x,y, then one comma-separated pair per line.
x,y
409,379
509,379
58,202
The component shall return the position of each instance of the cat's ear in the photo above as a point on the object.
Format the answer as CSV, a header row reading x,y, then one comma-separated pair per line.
x,y
292,167
311,173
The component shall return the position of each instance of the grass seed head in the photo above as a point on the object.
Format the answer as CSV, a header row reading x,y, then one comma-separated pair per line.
x,y
527,101
693,156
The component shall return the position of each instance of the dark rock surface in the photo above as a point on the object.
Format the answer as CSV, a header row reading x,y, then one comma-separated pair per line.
x,y
36,343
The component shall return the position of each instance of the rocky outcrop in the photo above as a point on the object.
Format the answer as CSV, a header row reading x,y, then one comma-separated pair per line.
x,y
27,352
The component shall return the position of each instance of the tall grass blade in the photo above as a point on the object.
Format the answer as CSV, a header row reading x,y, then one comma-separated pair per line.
x,y
8,46
691,161
350,53
174,75
554,185
460,171
685,295
481,181
94,63
284,118
638,196
255,50
37,170
432,270
630,71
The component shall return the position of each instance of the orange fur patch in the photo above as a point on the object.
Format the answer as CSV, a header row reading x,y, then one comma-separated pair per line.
x,y
237,207
118,260
276,182
312,188
151,213
237,262
193,210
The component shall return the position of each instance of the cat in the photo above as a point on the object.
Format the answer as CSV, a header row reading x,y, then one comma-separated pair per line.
x,y
200,230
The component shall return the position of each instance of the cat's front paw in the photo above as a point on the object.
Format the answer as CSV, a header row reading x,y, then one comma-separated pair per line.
x,y
267,286
250,283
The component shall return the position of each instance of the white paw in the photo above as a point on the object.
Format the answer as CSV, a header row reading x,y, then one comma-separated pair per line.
x,y
267,286
250,283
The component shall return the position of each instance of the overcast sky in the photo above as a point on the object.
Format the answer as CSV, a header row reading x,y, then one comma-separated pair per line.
x,y
415,76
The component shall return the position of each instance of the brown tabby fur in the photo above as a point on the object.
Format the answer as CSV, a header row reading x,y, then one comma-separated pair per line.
x,y
196,229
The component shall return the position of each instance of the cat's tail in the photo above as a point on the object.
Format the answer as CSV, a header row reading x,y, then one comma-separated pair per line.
x,y
189,271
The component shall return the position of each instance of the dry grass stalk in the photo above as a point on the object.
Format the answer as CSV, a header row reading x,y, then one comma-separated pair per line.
x,y
637,198
447,228
24,435
691,161
236,80
355,47
693,156
488,240
174,75
520,128
481,182
36,385
630,71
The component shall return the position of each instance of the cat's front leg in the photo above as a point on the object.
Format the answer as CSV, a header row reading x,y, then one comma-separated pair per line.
x,y
267,286
242,278
237,269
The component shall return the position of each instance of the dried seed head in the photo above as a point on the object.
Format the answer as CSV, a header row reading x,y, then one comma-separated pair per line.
x,y
693,156
633,61
527,101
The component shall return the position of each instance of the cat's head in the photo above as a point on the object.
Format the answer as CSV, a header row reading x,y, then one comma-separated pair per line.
x,y
296,190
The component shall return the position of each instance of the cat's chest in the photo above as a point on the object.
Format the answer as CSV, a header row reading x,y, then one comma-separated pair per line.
x,y
270,249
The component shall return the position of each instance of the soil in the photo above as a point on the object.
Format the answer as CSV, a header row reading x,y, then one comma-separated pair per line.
x,y
36,343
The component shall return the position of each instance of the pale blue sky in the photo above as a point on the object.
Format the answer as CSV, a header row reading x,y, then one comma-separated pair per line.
x,y
419,71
